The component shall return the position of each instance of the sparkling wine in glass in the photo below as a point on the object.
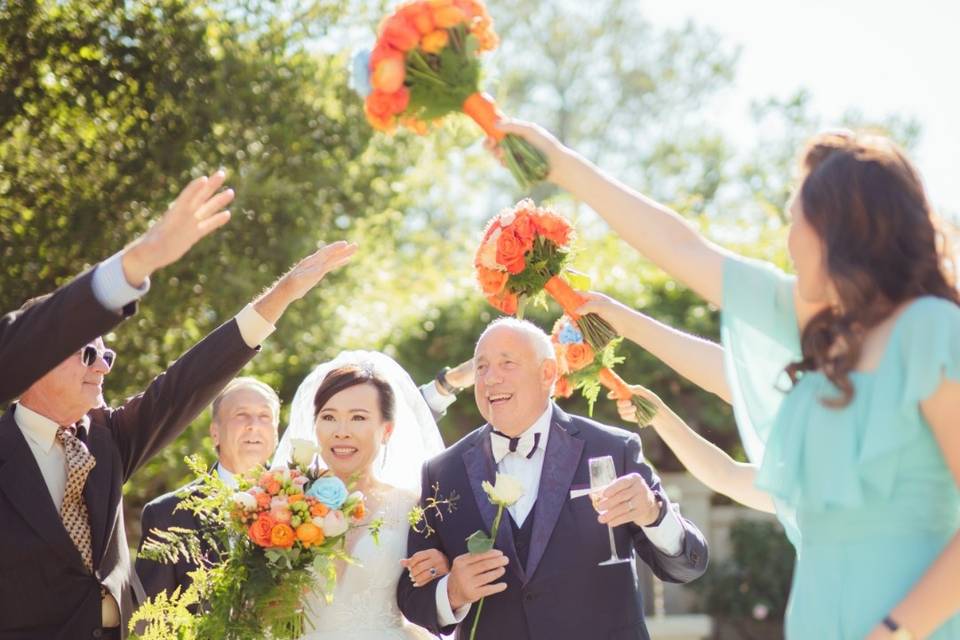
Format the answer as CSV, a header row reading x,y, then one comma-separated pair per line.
x,y
602,474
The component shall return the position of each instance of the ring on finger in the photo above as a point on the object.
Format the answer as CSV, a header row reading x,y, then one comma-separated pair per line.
x,y
433,571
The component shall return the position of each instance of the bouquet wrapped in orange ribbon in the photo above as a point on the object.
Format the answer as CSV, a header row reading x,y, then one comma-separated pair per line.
x,y
524,252
587,370
426,65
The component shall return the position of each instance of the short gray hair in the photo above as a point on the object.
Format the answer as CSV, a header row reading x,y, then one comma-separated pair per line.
x,y
248,382
538,337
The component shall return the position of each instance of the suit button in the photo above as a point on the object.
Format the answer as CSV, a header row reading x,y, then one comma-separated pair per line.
x,y
97,633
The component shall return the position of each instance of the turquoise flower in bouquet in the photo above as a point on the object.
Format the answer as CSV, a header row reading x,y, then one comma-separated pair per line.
x,y
329,490
570,335
360,72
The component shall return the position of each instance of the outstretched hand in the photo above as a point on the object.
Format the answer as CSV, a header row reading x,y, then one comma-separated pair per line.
x,y
628,410
555,152
197,212
303,277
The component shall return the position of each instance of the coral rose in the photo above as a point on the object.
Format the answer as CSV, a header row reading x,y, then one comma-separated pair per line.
x,y
563,388
382,52
310,534
261,529
491,280
505,302
579,356
524,228
282,536
554,227
399,33
419,15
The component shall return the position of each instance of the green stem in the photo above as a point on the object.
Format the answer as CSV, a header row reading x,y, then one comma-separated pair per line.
x,y
493,536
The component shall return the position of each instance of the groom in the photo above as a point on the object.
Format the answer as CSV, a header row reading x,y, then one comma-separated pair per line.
x,y
542,580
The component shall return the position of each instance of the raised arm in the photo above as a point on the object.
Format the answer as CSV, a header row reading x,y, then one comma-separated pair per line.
x,y
651,228
704,460
698,360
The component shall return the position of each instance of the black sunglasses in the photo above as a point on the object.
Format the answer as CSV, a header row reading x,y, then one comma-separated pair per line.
x,y
89,355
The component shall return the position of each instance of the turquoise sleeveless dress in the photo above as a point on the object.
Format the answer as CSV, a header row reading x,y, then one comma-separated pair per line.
x,y
863,492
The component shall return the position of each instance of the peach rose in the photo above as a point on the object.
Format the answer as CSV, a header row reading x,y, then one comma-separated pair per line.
x,y
318,509
579,356
382,52
491,281
260,530
282,536
435,41
388,75
310,534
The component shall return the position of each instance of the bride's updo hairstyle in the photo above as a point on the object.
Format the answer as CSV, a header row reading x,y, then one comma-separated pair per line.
x,y
351,376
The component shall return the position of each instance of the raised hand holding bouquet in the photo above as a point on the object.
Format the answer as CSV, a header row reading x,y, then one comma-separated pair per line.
x,y
277,537
526,250
581,367
426,65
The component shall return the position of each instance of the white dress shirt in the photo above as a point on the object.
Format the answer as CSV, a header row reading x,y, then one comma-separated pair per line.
x,y
40,433
227,476
110,286
667,536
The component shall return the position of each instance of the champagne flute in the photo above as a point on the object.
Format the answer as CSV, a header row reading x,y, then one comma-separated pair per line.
x,y
602,474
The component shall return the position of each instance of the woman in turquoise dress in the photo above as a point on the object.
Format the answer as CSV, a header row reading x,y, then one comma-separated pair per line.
x,y
845,380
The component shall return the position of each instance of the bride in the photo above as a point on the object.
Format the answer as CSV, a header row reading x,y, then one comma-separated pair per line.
x,y
373,428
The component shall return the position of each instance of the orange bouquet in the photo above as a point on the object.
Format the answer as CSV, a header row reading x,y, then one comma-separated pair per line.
x,y
583,368
426,65
524,251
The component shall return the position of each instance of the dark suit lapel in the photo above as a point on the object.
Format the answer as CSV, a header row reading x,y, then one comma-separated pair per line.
x,y
98,490
23,484
478,461
560,463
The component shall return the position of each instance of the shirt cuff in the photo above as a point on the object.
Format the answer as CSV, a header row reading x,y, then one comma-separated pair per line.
x,y
110,286
445,615
254,329
437,402
667,536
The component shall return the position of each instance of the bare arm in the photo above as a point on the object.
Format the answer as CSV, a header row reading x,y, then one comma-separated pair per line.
x,y
698,360
707,462
935,597
651,228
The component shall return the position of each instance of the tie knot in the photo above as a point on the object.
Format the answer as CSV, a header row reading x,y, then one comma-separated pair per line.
x,y
65,433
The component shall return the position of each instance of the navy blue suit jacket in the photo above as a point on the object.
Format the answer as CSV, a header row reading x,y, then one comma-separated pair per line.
x,y
562,592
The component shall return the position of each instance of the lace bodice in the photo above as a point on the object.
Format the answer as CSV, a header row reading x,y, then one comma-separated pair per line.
x,y
364,603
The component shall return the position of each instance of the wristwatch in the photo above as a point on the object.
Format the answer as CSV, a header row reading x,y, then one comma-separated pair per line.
x,y
444,384
896,631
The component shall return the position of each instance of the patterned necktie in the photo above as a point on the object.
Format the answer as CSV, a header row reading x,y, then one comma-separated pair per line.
x,y
73,511
502,444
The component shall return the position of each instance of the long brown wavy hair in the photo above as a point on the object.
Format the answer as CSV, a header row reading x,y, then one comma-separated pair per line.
x,y
883,246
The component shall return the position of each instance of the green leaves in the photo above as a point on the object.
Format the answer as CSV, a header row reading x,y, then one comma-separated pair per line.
x,y
479,542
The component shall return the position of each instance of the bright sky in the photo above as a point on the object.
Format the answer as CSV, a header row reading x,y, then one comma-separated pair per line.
x,y
880,57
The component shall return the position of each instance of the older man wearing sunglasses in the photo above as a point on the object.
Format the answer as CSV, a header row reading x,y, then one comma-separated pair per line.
x,y
64,456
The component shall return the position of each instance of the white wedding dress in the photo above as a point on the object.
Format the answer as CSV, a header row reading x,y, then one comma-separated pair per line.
x,y
364,603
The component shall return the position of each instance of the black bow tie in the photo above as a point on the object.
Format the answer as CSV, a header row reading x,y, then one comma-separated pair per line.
x,y
503,444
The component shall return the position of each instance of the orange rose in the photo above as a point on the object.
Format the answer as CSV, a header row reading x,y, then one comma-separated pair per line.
x,y
261,529
273,487
510,250
505,302
524,228
399,100
297,497
554,227
383,52
579,356
388,76
399,33
448,16
310,534
318,509
435,41
419,15
359,511
282,536
380,104
563,388
491,280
